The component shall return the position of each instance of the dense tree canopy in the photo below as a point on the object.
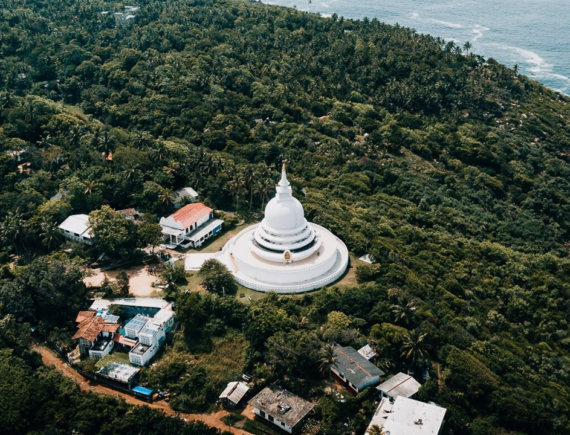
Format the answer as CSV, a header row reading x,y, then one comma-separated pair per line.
x,y
450,170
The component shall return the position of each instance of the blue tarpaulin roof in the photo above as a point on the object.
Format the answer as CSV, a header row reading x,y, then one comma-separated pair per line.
x,y
142,390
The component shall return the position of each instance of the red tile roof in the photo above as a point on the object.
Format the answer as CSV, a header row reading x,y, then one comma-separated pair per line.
x,y
89,329
191,213
121,339
84,315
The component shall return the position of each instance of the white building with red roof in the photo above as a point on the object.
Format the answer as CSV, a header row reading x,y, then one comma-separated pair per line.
x,y
190,226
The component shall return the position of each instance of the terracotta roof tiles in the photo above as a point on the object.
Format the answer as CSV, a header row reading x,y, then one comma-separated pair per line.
x,y
89,329
84,315
191,213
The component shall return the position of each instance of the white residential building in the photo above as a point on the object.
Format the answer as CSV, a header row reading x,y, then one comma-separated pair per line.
x,y
145,333
77,228
281,407
151,337
408,417
190,226
94,334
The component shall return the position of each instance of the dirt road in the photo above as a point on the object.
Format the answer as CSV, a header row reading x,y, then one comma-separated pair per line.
x,y
50,359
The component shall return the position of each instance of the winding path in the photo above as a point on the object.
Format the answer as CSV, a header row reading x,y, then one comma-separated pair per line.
x,y
212,420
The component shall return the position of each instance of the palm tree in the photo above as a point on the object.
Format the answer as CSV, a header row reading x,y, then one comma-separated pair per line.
x,y
263,188
415,346
172,168
12,229
375,430
166,197
90,186
105,143
141,140
131,172
326,362
467,46
404,310
251,179
50,235
237,186
75,135
45,141
159,151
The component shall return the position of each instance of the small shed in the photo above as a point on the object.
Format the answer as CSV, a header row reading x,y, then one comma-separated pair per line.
x,y
186,194
400,385
233,394
367,352
142,393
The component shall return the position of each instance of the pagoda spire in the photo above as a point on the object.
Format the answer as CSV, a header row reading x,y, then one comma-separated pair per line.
x,y
284,187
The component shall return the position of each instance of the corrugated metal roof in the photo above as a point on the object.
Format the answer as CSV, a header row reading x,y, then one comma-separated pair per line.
x,y
367,352
353,366
78,224
186,192
234,392
129,302
400,385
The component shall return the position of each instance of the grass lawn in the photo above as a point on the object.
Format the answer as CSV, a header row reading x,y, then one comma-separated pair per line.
x,y
259,428
226,360
118,357
349,278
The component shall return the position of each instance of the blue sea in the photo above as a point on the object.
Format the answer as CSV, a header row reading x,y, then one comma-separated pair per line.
x,y
533,34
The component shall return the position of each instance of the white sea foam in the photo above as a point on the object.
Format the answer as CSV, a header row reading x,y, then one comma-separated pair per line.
x,y
416,16
537,66
479,30
447,24
535,62
325,5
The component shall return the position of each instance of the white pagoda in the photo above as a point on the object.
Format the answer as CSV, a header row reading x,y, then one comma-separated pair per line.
x,y
285,253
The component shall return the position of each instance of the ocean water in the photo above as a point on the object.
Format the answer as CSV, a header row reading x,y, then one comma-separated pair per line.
x,y
533,34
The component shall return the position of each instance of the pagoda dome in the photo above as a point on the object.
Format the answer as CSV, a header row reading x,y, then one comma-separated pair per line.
x,y
284,233
284,252
284,213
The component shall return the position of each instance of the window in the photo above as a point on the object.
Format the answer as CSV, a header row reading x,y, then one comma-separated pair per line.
x,y
262,413
270,418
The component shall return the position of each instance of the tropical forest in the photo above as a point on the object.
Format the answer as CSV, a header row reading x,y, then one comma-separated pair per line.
x,y
449,171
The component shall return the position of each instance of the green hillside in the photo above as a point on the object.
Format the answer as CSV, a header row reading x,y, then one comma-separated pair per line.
x,y
450,170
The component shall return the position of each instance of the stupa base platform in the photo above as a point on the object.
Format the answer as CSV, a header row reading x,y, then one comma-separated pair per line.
x,y
323,268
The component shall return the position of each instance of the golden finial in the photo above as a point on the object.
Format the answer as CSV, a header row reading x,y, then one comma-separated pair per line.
x,y
284,166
